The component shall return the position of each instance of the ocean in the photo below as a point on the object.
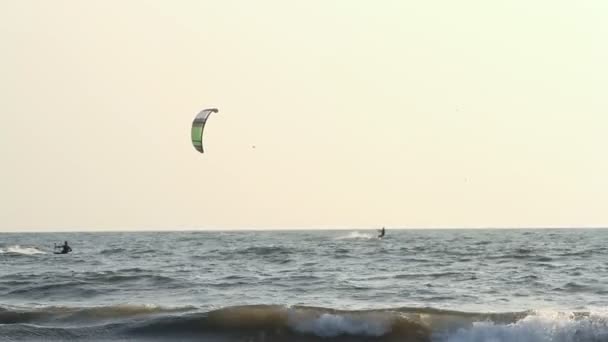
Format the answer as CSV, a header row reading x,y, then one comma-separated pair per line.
x,y
448,285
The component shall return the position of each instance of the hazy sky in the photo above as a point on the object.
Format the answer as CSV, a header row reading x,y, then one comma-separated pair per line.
x,y
363,113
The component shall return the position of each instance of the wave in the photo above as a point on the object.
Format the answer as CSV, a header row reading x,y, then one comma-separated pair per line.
x,y
281,323
521,256
335,324
267,250
111,251
73,315
468,275
537,327
357,235
16,249
86,284
302,323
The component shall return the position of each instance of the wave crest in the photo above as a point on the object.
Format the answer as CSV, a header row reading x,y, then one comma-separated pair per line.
x,y
331,325
537,327
276,323
17,249
280,323
72,315
357,235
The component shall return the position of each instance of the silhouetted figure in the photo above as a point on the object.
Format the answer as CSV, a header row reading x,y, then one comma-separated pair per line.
x,y
65,249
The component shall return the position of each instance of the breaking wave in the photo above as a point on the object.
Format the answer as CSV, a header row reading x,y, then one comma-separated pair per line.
x,y
16,249
542,326
300,323
357,235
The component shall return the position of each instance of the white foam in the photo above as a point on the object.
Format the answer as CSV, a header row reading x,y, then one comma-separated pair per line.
x,y
357,235
330,325
16,249
539,327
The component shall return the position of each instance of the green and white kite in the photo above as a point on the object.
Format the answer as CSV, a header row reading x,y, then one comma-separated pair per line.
x,y
197,127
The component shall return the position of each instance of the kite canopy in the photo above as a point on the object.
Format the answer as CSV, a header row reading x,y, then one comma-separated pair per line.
x,y
197,127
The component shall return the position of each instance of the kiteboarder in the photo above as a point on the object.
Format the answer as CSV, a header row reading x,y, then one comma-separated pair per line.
x,y
65,249
382,231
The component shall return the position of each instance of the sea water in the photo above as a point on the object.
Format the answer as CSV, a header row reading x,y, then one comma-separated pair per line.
x,y
413,285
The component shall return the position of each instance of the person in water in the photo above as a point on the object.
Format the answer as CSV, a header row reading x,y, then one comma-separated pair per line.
x,y
382,231
65,249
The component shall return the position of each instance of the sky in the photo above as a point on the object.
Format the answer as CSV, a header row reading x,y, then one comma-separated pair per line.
x,y
333,114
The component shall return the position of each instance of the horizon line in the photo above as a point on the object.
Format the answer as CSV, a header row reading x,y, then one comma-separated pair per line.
x,y
190,229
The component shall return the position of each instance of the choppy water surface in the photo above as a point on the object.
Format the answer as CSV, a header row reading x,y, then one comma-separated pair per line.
x,y
413,285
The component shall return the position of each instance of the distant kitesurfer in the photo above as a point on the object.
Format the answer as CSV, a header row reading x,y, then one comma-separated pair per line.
x,y
382,231
65,249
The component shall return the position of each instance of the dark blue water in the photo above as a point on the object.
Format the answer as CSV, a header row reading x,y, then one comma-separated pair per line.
x,y
413,285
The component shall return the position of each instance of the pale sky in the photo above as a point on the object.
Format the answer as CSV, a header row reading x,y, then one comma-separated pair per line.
x,y
363,114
